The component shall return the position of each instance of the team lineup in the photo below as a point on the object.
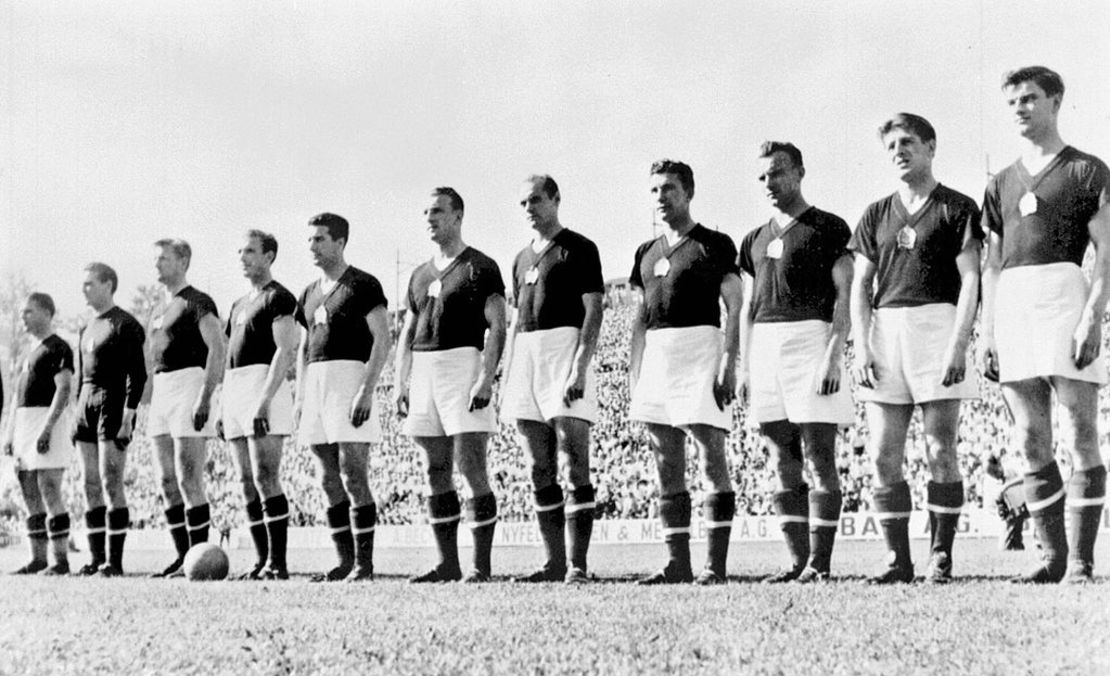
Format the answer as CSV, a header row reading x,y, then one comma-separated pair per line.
x,y
765,325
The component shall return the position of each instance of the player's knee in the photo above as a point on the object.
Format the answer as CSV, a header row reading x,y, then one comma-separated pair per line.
x,y
888,467
268,479
577,474
169,487
93,488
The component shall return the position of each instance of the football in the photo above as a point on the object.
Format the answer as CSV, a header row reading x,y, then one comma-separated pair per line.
x,y
206,561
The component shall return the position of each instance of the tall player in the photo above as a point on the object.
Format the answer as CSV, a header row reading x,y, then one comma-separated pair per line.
x,y
793,328
257,400
38,436
914,296
1042,320
188,347
446,365
683,369
112,376
550,393
341,358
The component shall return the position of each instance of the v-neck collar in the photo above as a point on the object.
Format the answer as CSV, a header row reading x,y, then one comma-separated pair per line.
x,y
1031,181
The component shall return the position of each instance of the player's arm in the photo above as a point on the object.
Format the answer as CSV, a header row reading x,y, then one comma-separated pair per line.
x,y
575,386
211,332
482,390
298,386
403,367
286,339
510,341
136,380
967,263
862,279
636,347
1087,339
828,381
992,268
747,323
724,387
378,322
63,383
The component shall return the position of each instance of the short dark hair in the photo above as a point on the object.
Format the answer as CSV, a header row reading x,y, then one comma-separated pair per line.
x,y
1045,78
550,187
452,195
769,148
179,247
680,169
338,227
914,124
103,273
268,241
43,300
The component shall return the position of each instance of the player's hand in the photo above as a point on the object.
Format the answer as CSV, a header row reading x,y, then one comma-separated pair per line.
x,y
401,401
988,359
743,387
361,405
575,386
1086,342
260,421
480,394
828,377
724,387
955,365
863,368
200,415
42,444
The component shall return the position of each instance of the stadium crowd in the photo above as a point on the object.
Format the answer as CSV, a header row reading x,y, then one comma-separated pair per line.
x,y
621,464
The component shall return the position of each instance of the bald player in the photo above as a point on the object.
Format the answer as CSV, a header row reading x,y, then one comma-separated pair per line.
x,y
112,372
1042,318
38,436
447,358
550,393
793,329
257,399
341,358
682,368
188,347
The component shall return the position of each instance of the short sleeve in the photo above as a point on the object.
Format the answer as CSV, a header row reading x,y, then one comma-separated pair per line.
x,y
591,278
863,239
992,209
373,295
634,278
744,259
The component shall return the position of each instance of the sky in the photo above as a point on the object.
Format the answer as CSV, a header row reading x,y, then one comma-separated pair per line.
x,y
125,122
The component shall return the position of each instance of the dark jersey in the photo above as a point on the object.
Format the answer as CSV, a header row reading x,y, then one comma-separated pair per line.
x,y
250,324
176,334
110,354
548,286
796,284
926,272
337,328
682,284
1067,193
450,306
46,360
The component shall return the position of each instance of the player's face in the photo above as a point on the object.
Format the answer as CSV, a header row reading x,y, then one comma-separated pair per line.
x,y
909,155
444,223
35,319
96,292
782,181
672,203
170,267
254,262
325,250
1033,111
539,209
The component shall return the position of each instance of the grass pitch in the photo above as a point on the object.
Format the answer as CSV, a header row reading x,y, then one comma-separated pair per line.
x,y
980,624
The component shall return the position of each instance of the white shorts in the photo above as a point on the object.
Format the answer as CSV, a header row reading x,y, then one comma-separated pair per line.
x,y
677,374
533,389
784,362
1037,308
439,394
239,396
329,389
28,423
171,405
908,345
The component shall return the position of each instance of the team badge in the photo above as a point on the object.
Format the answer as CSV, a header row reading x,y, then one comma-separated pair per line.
x,y
1028,204
434,288
532,276
774,249
321,315
906,237
662,267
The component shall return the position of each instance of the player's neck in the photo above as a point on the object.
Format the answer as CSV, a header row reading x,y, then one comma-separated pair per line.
x,y
104,307
546,233
334,271
1038,148
41,334
260,282
449,250
679,229
789,212
173,288
917,188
